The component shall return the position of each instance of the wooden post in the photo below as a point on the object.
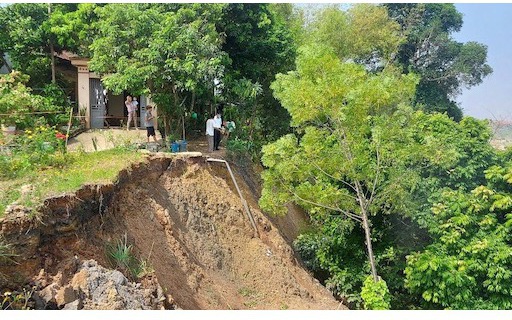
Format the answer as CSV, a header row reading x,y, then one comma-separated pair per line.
x,y
69,127
52,50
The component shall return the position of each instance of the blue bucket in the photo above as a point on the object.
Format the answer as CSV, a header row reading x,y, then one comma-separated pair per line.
x,y
175,147
183,146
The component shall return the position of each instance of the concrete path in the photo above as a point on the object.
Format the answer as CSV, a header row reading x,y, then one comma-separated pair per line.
x,y
110,138
102,139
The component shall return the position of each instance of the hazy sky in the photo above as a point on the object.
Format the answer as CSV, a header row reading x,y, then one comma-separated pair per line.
x,y
489,24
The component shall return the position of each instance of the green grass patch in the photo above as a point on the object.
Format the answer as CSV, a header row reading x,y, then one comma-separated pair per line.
x,y
9,192
80,168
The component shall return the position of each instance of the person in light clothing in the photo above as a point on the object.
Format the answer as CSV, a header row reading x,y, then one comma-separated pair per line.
x,y
135,103
210,133
132,112
150,126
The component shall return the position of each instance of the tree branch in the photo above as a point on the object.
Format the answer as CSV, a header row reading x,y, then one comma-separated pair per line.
x,y
337,209
334,178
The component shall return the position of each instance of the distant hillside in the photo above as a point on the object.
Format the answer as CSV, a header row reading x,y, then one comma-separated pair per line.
x,y
502,134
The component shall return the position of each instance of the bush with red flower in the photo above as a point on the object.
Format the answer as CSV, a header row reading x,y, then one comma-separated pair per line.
x,y
39,147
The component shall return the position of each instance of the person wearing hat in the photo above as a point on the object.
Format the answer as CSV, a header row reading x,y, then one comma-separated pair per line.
x,y
150,127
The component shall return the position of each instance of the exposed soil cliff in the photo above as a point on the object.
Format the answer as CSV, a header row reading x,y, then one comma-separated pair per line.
x,y
185,219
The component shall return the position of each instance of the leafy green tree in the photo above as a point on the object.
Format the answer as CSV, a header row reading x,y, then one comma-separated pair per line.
x,y
468,264
74,26
363,33
401,160
355,148
260,42
26,40
445,65
165,50
292,17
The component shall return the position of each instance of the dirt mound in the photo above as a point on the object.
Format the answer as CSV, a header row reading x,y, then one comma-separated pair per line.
x,y
185,219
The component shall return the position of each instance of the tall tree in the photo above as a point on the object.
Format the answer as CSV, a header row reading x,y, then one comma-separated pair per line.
x,y
74,26
359,149
260,44
167,50
362,33
445,65
351,124
28,39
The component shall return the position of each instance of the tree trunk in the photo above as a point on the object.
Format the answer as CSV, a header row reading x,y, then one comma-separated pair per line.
x,y
52,50
371,257
167,125
363,204
52,53
193,103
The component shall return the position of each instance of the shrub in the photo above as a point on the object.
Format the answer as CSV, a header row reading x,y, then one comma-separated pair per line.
x,y
239,151
120,254
40,147
20,104
375,294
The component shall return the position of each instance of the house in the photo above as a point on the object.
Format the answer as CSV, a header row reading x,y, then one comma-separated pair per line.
x,y
99,107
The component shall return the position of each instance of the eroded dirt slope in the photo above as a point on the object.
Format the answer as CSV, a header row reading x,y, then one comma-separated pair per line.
x,y
185,218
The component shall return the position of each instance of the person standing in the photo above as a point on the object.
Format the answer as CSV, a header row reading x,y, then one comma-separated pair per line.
x,y
217,124
135,103
228,127
132,112
210,133
150,126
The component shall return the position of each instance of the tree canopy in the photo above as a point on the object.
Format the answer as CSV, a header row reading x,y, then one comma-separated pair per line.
x,y
445,65
361,156
158,49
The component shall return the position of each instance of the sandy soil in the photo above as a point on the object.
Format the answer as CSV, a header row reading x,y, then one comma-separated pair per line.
x,y
186,220
206,254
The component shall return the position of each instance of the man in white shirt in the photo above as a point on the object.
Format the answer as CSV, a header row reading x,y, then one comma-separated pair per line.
x,y
217,124
210,133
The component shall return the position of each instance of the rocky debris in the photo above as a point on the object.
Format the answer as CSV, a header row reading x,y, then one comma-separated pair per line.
x,y
47,295
94,287
75,305
65,295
